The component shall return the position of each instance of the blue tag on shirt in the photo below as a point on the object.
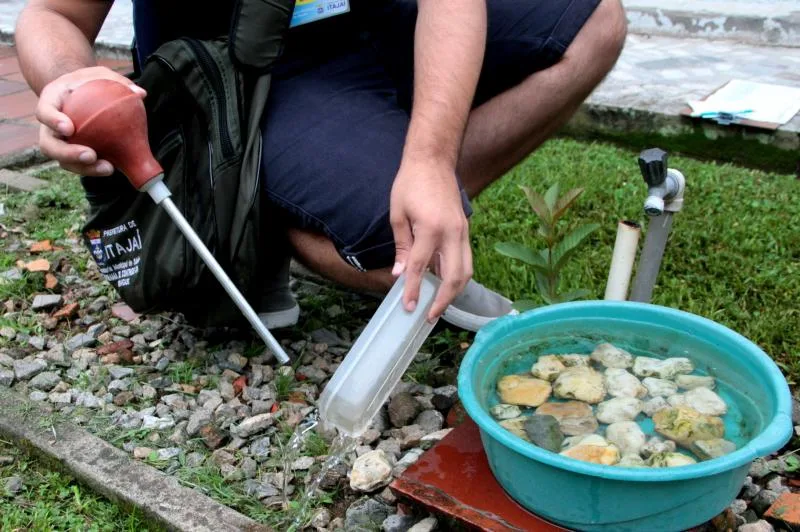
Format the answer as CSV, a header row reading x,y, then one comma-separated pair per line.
x,y
306,11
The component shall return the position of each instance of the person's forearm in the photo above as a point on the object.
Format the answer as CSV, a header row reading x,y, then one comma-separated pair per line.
x,y
50,45
448,53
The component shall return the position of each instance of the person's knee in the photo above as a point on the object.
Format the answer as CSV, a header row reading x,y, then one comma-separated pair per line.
x,y
607,29
616,24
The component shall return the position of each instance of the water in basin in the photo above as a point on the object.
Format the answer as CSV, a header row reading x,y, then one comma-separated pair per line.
x,y
742,421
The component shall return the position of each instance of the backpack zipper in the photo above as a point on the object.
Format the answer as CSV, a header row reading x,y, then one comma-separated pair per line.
x,y
212,72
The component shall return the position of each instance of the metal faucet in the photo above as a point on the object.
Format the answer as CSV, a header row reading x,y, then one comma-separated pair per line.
x,y
665,185
665,188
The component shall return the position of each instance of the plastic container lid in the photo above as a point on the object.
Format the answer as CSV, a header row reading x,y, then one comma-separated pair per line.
x,y
378,359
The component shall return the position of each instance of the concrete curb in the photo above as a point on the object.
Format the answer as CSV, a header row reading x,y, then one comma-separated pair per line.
x,y
113,473
22,158
741,27
777,151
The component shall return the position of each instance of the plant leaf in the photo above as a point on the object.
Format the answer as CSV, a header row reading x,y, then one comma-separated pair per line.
x,y
545,231
520,252
524,304
566,200
551,196
542,284
545,254
572,296
569,244
792,463
537,204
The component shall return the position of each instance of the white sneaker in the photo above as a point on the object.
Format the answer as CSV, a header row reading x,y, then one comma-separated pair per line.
x,y
278,308
280,319
476,306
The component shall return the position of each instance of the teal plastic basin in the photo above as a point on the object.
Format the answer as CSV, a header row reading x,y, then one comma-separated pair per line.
x,y
584,496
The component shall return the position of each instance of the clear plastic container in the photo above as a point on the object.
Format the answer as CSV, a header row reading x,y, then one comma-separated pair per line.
x,y
377,360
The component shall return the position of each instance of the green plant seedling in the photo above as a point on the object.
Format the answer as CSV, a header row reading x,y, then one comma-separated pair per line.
x,y
561,245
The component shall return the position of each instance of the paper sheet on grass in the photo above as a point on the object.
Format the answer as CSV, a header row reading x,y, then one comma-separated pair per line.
x,y
767,103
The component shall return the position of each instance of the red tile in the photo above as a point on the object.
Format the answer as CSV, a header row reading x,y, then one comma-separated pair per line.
x,y
7,51
10,87
9,65
16,137
18,104
786,509
444,480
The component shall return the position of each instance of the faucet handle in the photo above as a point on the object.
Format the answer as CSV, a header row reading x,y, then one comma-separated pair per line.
x,y
653,164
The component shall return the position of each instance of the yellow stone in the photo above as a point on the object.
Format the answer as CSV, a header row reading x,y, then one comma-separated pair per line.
x,y
595,450
523,390
686,425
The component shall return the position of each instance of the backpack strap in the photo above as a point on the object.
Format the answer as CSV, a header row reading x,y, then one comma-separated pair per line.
x,y
257,32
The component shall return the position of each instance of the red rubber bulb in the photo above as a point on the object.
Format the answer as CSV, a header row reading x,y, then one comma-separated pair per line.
x,y
111,119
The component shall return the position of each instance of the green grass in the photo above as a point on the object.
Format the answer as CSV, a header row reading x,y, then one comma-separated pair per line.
x,y
182,372
53,501
733,255
284,385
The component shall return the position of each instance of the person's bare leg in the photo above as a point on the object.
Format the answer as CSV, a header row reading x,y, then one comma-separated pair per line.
x,y
501,132
317,252
509,127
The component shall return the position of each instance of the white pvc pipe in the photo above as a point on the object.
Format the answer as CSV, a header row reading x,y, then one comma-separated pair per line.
x,y
625,247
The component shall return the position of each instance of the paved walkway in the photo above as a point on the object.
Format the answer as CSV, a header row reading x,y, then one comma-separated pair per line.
x,y
19,130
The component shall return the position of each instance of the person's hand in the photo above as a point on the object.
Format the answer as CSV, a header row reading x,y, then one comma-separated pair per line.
x,y
430,227
56,126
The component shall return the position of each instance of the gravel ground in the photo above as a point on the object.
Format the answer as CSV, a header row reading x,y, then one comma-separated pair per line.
x,y
212,406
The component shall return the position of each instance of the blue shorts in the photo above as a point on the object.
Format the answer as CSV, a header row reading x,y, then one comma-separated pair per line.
x,y
339,109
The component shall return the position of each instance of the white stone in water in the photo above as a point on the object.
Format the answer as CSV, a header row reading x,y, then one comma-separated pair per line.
x,y
656,445
504,411
547,367
663,369
678,399
516,426
651,406
593,448
578,425
709,449
619,409
660,387
523,390
612,357
690,382
622,383
706,402
631,460
581,383
670,460
627,436
573,360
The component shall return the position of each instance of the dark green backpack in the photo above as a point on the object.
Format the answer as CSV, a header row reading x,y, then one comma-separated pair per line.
x,y
205,102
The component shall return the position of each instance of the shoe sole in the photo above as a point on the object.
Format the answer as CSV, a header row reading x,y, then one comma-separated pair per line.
x,y
280,319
